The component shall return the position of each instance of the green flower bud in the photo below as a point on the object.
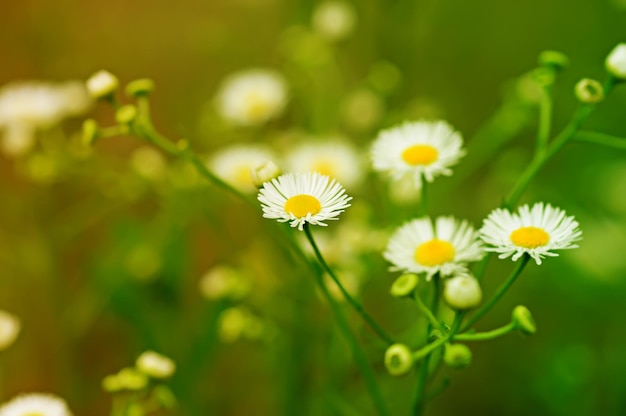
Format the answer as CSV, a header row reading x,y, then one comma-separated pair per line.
x,y
155,365
523,320
90,133
457,356
102,84
126,114
111,383
553,59
543,76
132,379
589,91
398,359
140,87
264,172
616,61
404,285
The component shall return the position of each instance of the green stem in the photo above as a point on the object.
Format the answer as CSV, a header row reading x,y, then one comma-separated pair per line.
x,y
601,139
419,403
424,197
499,293
483,336
359,356
356,305
540,158
545,119
432,319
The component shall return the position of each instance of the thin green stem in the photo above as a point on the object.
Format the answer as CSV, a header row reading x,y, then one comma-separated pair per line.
x,y
432,319
356,305
545,119
499,293
359,356
483,336
424,197
419,403
540,158
601,139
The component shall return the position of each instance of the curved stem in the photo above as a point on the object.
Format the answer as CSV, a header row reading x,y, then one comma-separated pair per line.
x,y
432,319
499,293
356,305
483,336
559,141
359,356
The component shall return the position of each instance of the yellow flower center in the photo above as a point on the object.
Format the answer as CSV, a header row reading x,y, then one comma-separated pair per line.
x,y
420,154
434,253
529,237
256,106
324,167
301,205
243,176
34,414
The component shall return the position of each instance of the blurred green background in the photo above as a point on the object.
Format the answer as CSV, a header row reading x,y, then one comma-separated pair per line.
x,y
75,239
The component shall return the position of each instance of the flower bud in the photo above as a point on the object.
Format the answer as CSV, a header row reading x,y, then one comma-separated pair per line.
x,y
264,172
140,87
111,383
334,20
553,59
102,84
589,91
126,114
398,359
90,131
457,356
616,61
523,320
131,379
462,292
404,285
155,365
9,329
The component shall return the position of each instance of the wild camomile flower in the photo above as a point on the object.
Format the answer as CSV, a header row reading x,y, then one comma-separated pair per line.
x,y
252,97
234,164
417,149
335,158
38,404
445,247
28,107
303,198
535,231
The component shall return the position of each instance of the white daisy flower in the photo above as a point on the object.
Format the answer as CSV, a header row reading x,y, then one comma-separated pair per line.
x,y
417,149
445,247
536,231
303,198
234,164
335,158
35,404
252,97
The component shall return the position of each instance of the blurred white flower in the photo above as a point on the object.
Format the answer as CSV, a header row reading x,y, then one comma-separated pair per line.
x,y
102,83
336,158
234,164
35,404
334,20
418,150
252,97
155,365
27,107
616,61
9,329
